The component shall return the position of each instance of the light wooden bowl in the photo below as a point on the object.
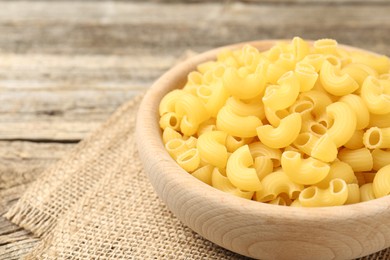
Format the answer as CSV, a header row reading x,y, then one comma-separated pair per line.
x,y
247,227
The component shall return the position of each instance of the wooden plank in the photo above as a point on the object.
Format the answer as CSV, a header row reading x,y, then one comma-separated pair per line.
x,y
155,28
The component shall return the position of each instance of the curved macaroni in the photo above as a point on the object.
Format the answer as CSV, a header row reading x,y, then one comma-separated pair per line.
x,y
284,134
357,104
258,149
344,122
367,192
335,195
376,137
375,96
212,149
204,174
380,158
240,173
222,183
381,183
360,159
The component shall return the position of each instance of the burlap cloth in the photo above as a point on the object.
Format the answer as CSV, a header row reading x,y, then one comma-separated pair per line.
x,y
97,203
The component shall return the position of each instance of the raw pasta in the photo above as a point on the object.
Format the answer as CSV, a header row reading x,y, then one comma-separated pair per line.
x,y
301,124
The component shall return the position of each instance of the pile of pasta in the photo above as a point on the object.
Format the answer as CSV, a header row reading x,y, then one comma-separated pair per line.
x,y
301,124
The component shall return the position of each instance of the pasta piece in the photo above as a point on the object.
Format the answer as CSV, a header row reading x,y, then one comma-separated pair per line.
x,y
359,72
235,125
207,126
353,194
374,95
212,149
296,203
319,99
380,159
338,170
344,124
258,149
314,60
284,134
274,117
222,183
360,178
279,201
206,66
378,62
189,160
286,61
307,76
274,73
194,78
204,174
284,94
170,120
369,176
233,142
335,195
381,183
325,149
303,171
325,46
226,57
367,192
376,137
193,108
305,142
313,127
167,103
188,128
304,107
241,108
336,83
356,140
176,147
275,184
246,85
379,120
240,173
170,134
357,104
214,97
360,159
300,48
191,142
263,165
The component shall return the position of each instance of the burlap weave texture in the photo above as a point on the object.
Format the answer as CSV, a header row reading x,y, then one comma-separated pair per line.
x,y
97,203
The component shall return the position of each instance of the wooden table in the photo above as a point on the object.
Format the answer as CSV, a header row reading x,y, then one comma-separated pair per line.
x,y
65,66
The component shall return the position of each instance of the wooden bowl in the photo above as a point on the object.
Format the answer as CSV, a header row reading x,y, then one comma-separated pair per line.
x,y
248,227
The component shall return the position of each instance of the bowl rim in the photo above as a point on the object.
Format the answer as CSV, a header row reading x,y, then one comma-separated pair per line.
x,y
163,168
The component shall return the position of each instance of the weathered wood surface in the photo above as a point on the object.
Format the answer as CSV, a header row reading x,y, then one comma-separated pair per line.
x,y
65,66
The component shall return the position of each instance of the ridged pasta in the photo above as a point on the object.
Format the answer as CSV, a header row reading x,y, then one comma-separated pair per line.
x,y
235,125
376,137
222,183
212,149
356,141
353,194
275,184
360,159
325,46
338,170
189,160
380,158
359,72
170,134
325,149
204,173
336,83
378,62
335,195
168,102
303,107
258,149
284,134
344,122
374,95
303,171
263,166
284,94
241,108
381,183
319,99
240,172
307,76
379,120
170,120
357,104
314,60
273,117
367,192
233,142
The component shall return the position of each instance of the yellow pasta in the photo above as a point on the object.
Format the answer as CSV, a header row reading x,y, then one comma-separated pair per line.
x,y
258,149
380,158
381,183
239,170
356,140
235,125
301,124
303,171
344,122
360,159
222,183
275,184
357,104
367,192
283,135
376,137
336,83
375,96
212,149
204,174
243,84
335,195
353,194
284,94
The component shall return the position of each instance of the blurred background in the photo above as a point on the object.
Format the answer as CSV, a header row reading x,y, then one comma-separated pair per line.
x,y
65,66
